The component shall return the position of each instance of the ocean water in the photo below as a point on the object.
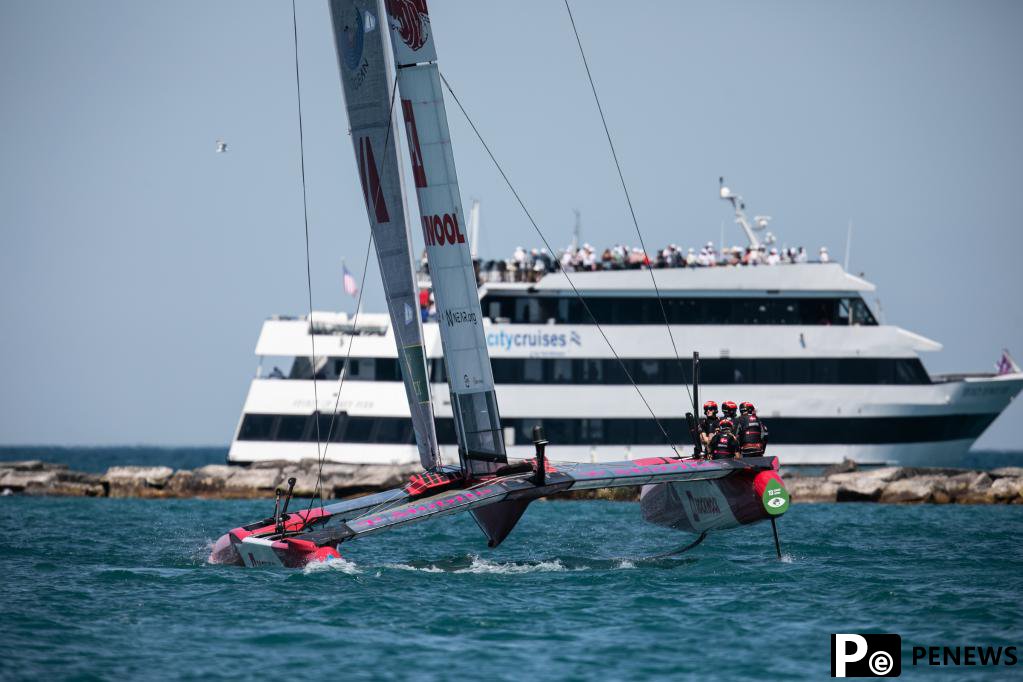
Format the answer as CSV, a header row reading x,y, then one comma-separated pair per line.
x,y
119,589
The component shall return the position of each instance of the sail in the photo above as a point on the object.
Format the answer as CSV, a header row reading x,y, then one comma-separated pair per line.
x,y
470,378
368,92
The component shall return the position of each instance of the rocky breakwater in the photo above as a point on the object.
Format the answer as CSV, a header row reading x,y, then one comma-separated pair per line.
x,y
909,485
218,481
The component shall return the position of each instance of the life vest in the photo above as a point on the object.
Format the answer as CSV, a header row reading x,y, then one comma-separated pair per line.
x,y
751,435
723,445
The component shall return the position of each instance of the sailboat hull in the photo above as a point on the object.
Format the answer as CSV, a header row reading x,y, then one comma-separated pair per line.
x,y
702,506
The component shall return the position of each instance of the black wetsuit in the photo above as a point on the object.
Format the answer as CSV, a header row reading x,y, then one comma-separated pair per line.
x,y
752,435
723,445
708,425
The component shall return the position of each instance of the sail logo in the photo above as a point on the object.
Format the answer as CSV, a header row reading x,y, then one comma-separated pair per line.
x,y
453,317
431,507
708,506
438,230
370,178
411,20
352,41
415,151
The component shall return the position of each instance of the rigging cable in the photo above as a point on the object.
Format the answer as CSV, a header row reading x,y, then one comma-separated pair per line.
x,y
318,491
578,294
628,200
321,443
305,216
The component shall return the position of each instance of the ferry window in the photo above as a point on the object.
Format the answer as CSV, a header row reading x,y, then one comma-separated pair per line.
x,y
590,370
528,309
861,313
619,431
559,430
362,369
438,375
647,433
359,429
392,430
301,369
562,371
817,310
532,371
291,427
256,427
796,371
911,372
446,431
825,371
591,431
646,371
768,371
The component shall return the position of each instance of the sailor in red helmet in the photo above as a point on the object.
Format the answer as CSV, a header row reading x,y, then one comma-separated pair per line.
x,y
729,409
724,445
750,431
708,423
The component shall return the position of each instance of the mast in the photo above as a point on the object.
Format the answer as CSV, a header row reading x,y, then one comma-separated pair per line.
x,y
470,377
368,93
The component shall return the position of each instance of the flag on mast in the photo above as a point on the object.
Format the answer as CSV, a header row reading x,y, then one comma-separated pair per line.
x,y
351,287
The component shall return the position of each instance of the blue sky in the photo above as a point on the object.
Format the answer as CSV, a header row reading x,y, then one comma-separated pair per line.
x,y
136,265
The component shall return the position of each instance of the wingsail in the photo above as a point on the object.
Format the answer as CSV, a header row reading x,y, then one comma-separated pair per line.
x,y
470,378
368,92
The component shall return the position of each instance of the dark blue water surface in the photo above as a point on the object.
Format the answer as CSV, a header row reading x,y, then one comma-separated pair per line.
x,y
119,588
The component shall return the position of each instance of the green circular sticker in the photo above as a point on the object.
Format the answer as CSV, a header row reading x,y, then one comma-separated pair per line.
x,y
775,498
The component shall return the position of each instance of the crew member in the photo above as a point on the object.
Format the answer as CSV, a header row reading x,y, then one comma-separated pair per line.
x,y
751,432
708,423
723,444
728,408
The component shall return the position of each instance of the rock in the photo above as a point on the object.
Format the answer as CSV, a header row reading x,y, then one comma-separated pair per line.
x,y
915,489
844,467
32,465
21,479
136,481
70,489
1006,489
860,490
1000,472
812,489
252,482
881,474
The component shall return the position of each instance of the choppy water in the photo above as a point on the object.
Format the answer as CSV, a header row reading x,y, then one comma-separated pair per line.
x,y
119,588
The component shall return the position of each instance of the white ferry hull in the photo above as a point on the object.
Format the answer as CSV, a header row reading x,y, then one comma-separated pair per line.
x,y
947,401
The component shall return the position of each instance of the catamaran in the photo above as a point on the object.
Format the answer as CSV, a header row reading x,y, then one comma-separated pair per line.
x,y
688,493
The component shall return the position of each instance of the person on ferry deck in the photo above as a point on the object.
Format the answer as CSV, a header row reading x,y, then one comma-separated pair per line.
x,y
750,431
724,445
708,423
729,409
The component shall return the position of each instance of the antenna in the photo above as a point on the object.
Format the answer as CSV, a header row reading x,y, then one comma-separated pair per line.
x,y
740,212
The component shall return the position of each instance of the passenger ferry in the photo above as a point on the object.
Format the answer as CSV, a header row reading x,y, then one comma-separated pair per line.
x,y
798,340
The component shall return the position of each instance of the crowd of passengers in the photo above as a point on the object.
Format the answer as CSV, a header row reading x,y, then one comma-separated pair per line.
x,y
532,265
731,435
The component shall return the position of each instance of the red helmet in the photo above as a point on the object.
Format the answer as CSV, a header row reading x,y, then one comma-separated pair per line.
x,y
710,405
725,423
748,407
728,407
